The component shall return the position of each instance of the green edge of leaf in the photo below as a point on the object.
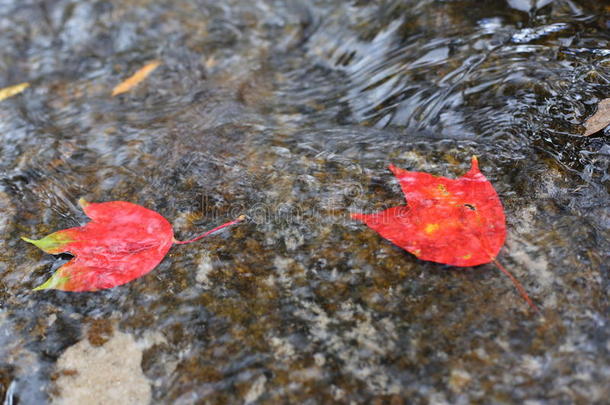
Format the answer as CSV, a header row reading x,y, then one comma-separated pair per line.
x,y
54,282
53,243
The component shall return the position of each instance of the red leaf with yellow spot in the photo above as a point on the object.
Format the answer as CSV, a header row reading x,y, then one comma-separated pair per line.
x,y
456,222
123,241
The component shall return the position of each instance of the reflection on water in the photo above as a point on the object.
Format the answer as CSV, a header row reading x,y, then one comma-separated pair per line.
x,y
290,112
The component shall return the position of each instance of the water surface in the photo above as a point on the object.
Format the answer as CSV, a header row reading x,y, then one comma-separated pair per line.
x,y
290,112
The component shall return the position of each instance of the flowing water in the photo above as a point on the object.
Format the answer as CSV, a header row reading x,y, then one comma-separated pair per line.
x,y
290,112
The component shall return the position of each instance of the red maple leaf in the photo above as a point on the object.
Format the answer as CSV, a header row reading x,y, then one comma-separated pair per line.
x,y
123,241
456,222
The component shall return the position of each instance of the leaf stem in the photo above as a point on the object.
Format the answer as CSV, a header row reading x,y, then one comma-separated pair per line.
x,y
518,285
218,228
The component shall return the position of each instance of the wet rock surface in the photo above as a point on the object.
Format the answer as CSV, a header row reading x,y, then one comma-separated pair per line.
x,y
93,372
290,112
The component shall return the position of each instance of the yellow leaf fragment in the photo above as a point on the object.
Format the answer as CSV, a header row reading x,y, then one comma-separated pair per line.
x,y
599,120
136,78
13,90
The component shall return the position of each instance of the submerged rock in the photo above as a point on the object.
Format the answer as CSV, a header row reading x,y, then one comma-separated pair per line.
x,y
290,112
102,374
